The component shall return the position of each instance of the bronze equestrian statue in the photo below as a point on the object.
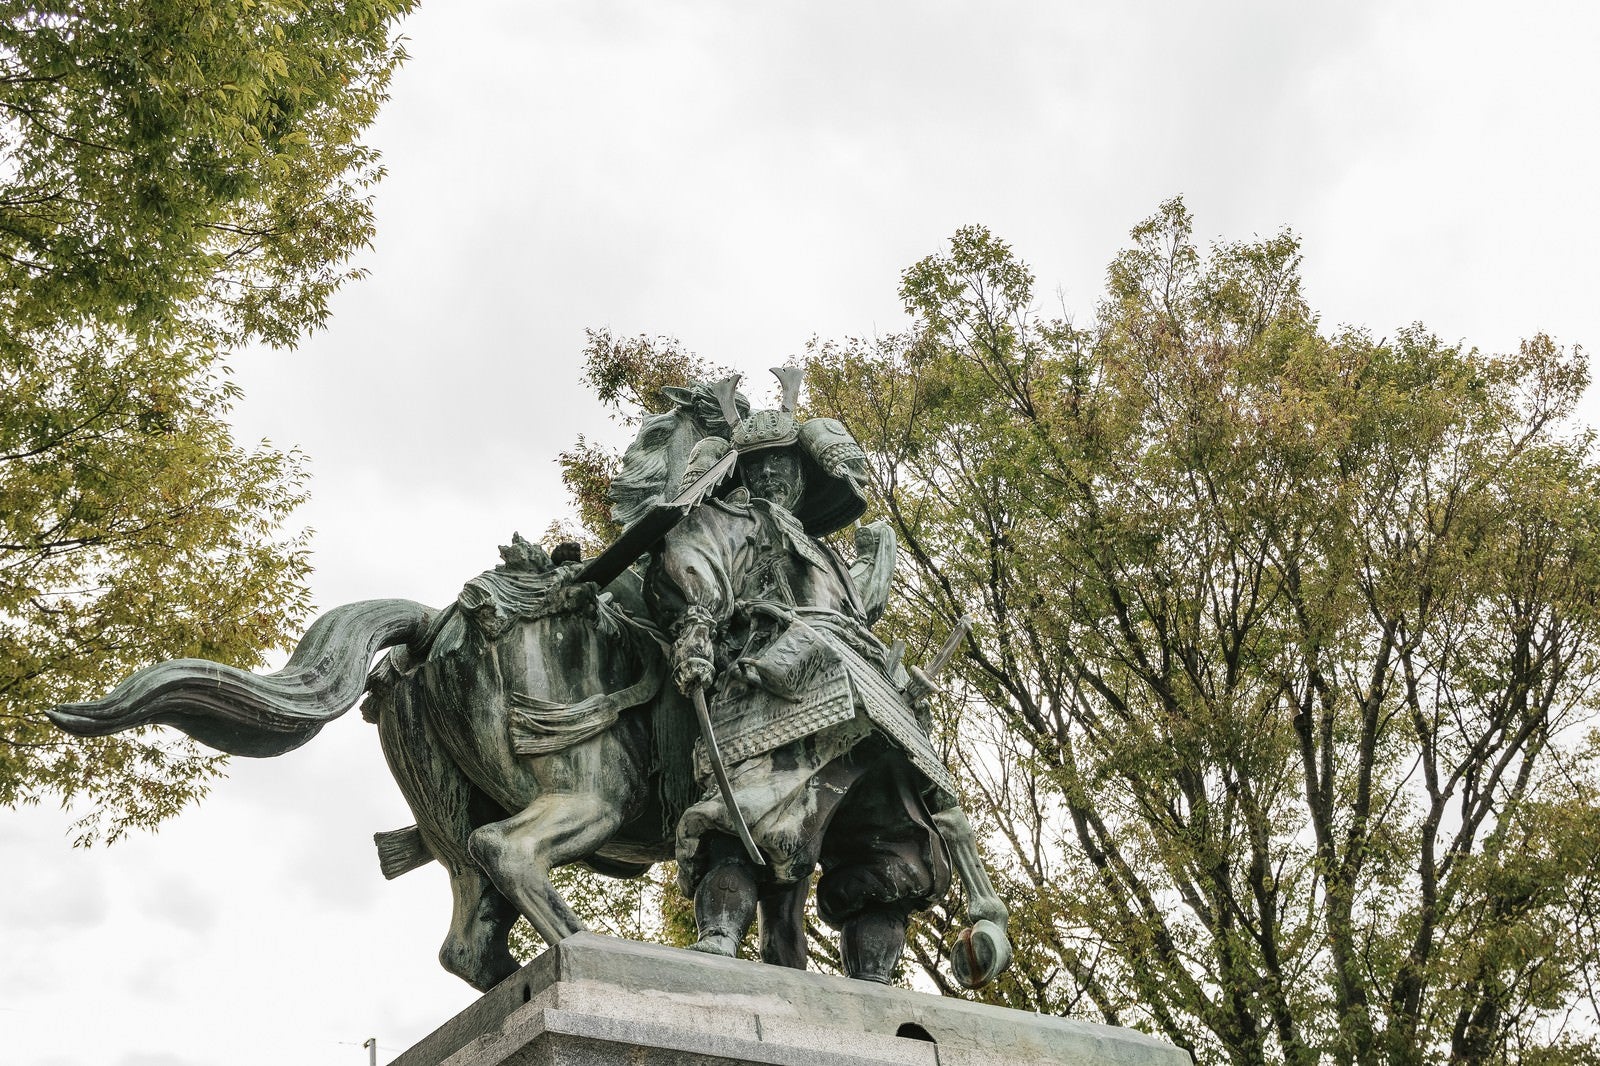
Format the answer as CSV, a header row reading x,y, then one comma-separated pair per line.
x,y
707,688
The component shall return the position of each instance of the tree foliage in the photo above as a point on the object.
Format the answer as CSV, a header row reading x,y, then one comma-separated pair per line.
x,y
1277,700
1276,710
176,180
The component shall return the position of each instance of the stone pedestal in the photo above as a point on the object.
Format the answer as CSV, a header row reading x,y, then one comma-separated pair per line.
x,y
595,1000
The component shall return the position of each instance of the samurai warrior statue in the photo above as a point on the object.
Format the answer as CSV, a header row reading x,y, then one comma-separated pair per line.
x,y
822,732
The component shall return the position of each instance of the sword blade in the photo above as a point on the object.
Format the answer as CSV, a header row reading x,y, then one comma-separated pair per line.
x,y
948,649
714,757
921,679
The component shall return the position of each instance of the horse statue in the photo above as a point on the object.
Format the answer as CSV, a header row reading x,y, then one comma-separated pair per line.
x,y
529,725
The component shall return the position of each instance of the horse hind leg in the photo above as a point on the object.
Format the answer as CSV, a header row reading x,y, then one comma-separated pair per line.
x,y
475,949
447,807
519,852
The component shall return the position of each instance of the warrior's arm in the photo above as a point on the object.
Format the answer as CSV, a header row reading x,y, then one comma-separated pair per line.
x,y
690,592
872,571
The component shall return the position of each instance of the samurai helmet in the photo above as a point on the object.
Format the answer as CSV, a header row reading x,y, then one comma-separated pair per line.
x,y
834,464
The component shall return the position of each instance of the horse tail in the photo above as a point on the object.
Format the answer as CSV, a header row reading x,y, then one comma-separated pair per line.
x,y
242,713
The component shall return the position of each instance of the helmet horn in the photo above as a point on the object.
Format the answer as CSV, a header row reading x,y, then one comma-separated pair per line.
x,y
724,392
790,377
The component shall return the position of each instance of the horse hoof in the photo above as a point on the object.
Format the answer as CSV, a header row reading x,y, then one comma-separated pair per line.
x,y
980,954
716,944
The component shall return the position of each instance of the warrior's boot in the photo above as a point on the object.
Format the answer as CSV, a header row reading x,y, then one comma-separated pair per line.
x,y
724,907
871,942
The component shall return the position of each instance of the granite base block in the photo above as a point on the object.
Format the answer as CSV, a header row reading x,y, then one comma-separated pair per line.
x,y
595,1000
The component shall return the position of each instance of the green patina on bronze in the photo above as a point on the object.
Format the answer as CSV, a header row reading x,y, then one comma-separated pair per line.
x,y
548,716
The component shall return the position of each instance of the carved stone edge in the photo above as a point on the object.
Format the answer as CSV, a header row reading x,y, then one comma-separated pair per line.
x,y
592,993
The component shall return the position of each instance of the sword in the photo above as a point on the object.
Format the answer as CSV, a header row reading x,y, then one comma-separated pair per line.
x,y
921,682
714,757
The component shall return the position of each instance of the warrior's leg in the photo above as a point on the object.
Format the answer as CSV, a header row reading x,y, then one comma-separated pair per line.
x,y
871,942
881,861
725,902
782,911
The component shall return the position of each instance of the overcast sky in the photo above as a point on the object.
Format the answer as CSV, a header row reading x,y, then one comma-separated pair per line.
x,y
745,176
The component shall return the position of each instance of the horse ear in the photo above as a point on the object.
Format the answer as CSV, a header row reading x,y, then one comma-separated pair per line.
x,y
676,396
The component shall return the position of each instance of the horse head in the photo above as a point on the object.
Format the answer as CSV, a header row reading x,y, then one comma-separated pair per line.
x,y
653,464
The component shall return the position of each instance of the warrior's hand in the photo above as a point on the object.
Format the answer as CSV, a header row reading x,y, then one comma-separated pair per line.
x,y
868,537
692,674
692,654
577,596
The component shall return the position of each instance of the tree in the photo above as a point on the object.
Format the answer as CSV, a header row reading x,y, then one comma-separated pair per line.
x,y
176,180
1278,694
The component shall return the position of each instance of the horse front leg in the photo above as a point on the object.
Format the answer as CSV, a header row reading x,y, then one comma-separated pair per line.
x,y
475,949
584,798
781,910
982,951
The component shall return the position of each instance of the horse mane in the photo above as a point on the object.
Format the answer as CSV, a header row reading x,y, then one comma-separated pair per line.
x,y
653,464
